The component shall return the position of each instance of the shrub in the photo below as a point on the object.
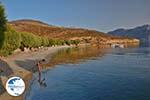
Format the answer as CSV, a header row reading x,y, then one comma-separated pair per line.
x,y
51,42
60,42
28,40
76,42
37,41
11,42
68,42
45,42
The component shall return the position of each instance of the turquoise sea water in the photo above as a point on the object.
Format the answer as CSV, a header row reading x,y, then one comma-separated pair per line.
x,y
114,74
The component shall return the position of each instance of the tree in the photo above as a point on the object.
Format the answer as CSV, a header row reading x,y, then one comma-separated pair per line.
x,y
3,21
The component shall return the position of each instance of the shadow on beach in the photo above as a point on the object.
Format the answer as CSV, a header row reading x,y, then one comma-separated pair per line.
x,y
5,70
29,65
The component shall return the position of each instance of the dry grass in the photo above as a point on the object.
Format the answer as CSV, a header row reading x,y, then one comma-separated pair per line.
x,y
50,31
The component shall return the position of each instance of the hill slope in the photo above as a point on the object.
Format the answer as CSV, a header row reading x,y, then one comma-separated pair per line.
x,y
141,32
50,31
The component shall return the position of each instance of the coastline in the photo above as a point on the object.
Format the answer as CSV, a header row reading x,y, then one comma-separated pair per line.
x,y
21,65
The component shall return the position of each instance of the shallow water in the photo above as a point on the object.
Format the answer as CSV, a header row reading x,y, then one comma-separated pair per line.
x,y
111,74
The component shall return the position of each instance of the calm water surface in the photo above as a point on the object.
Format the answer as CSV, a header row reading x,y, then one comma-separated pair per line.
x,y
80,74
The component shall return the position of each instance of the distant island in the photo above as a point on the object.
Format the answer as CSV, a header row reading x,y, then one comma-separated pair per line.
x,y
140,32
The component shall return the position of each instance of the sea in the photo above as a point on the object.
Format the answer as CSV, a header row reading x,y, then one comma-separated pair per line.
x,y
93,73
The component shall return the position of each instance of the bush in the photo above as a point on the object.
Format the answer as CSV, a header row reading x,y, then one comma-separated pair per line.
x,y
37,41
60,42
52,42
68,42
45,42
76,42
28,40
11,41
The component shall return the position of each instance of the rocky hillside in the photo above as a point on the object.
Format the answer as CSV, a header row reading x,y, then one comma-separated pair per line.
x,y
141,32
50,31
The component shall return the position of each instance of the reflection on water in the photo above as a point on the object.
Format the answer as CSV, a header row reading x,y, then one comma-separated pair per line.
x,y
145,44
75,55
94,74
41,81
144,51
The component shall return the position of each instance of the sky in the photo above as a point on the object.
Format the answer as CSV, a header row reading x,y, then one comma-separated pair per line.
x,y
101,15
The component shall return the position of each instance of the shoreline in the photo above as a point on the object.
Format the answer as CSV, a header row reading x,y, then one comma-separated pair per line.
x,y
21,65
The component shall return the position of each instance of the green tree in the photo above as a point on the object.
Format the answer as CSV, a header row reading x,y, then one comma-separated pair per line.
x,y
2,24
3,19
12,42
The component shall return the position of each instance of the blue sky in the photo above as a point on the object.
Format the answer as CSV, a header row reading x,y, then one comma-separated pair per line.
x,y
101,15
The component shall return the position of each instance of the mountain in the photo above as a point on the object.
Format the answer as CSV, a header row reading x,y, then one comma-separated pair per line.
x,y
57,32
140,32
